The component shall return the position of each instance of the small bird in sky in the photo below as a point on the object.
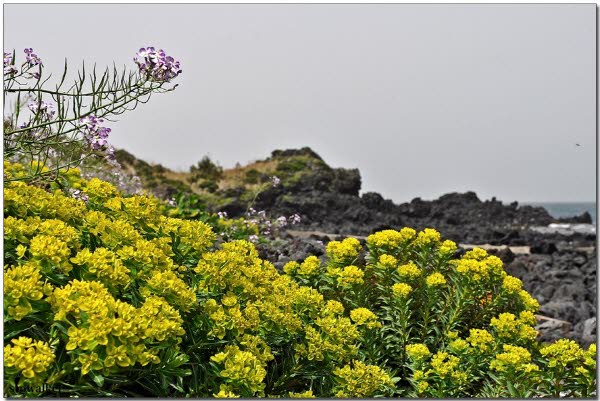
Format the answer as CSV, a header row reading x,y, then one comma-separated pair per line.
x,y
577,144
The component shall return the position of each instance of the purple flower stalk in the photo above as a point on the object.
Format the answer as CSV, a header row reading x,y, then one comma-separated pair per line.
x,y
282,221
31,58
156,65
253,238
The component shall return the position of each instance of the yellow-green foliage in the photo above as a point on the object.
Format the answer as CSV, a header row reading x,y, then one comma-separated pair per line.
x,y
111,297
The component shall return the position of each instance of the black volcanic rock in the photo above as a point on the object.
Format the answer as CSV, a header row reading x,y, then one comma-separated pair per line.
x,y
543,247
328,200
584,218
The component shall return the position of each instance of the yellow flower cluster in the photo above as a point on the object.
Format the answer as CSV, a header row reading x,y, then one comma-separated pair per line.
x,y
333,307
29,357
478,268
241,369
391,239
21,200
50,251
169,286
447,248
363,316
446,365
420,380
360,380
309,267
428,237
23,284
126,332
508,328
481,339
512,285
401,290
99,190
513,359
147,257
529,303
334,339
135,209
231,316
342,252
291,267
257,346
22,230
458,346
387,262
563,353
350,275
225,392
417,352
435,280
409,270
194,234
103,265
236,265
476,254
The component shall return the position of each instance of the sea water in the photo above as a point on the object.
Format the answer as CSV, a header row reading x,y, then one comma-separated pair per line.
x,y
568,209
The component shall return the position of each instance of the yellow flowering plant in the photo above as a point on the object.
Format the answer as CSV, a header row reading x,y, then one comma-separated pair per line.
x,y
115,296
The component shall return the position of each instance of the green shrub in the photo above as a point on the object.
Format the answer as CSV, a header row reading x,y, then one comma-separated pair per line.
x,y
206,169
252,176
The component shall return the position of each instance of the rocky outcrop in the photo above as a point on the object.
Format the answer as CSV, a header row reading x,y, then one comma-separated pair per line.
x,y
328,199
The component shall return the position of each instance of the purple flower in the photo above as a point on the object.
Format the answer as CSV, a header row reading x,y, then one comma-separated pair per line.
x,y
253,238
9,68
7,59
110,156
156,66
97,136
31,57
222,215
275,181
80,195
44,110
282,221
90,121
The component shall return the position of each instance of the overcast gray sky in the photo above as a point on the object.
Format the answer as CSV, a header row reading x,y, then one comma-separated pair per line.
x,y
423,99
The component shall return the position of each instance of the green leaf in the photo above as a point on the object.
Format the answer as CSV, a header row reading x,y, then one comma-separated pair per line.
x,y
98,379
16,328
512,391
